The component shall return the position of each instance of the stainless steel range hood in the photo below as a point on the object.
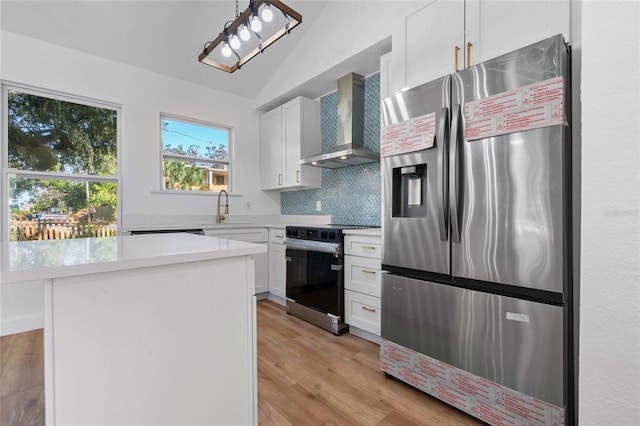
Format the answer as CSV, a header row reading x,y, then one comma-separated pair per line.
x,y
350,150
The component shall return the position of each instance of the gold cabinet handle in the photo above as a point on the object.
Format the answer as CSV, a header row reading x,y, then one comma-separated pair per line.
x,y
279,178
368,247
366,271
368,309
298,176
456,50
469,54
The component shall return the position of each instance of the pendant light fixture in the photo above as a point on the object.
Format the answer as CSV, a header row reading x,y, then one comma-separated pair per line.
x,y
252,31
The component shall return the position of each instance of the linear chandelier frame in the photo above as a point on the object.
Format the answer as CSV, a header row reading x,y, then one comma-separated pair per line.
x,y
293,20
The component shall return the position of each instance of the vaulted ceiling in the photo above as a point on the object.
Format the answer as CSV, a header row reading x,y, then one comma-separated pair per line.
x,y
160,36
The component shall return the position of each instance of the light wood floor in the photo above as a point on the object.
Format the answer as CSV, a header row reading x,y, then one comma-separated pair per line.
x,y
22,379
306,376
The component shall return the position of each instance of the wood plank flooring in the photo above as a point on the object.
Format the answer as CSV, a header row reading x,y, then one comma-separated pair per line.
x,y
306,376
22,379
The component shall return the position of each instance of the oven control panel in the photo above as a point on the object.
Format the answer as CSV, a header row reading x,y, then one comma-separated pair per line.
x,y
314,234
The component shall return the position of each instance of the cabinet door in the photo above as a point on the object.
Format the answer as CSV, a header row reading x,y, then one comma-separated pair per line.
x,y
271,149
432,34
277,270
292,130
262,272
498,27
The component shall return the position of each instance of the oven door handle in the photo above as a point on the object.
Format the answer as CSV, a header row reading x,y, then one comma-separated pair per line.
x,y
308,245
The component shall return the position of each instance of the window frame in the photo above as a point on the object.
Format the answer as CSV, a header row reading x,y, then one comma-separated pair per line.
x,y
8,173
174,156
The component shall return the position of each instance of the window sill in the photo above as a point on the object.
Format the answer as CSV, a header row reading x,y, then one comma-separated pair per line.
x,y
198,193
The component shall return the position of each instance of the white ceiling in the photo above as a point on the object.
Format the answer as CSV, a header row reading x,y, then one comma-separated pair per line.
x,y
161,36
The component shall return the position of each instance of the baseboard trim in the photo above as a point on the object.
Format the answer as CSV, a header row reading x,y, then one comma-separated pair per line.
x,y
364,334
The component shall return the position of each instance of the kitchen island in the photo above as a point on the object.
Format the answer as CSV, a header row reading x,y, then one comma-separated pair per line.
x,y
149,329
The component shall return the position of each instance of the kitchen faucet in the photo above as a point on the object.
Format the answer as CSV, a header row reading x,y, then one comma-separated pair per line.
x,y
220,216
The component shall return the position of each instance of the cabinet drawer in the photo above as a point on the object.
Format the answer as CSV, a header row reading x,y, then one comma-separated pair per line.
x,y
363,245
362,274
277,235
362,311
250,235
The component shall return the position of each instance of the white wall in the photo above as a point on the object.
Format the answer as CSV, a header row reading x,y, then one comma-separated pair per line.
x,y
21,307
609,391
143,95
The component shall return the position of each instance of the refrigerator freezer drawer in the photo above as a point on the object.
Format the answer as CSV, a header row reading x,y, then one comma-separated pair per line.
x,y
516,343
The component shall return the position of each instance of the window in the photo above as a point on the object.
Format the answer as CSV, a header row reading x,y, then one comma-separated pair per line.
x,y
195,155
61,166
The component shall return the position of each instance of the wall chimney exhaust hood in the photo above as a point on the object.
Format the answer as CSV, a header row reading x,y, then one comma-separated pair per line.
x,y
350,150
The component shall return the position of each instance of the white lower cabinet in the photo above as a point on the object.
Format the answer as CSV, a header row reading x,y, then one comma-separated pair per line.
x,y
277,264
362,274
362,283
250,235
362,311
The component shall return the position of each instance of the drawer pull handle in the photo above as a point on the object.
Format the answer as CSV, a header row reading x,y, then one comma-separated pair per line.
x,y
368,247
366,271
279,236
368,309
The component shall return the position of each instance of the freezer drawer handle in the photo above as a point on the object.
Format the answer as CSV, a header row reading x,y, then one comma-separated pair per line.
x,y
454,174
368,309
443,168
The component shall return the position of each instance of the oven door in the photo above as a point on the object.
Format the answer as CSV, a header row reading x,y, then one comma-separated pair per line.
x,y
314,275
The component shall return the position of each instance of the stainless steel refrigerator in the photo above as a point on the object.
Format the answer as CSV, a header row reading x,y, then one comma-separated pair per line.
x,y
476,170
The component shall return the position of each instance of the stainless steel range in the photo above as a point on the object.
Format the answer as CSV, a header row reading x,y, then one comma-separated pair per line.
x,y
315,275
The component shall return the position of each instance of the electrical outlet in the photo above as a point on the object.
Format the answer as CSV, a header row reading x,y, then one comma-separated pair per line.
x,y
318,206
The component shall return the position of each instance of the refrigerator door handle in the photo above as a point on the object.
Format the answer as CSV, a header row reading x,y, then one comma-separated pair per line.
x,y
443,169
454,174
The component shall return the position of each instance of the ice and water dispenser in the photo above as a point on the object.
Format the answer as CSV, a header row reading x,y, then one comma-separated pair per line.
x,y
410,191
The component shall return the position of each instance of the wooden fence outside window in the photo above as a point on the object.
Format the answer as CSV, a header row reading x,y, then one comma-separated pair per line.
x,y
58,229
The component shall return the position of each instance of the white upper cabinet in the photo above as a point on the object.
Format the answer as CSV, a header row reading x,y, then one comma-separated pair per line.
x,y
497,27
432,33
445,36
289,133
271,149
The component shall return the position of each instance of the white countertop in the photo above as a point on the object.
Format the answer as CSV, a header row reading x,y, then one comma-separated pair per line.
x,y
375,232
178,222
35,260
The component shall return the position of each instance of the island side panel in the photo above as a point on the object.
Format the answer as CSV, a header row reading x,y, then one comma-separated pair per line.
x,y
163,345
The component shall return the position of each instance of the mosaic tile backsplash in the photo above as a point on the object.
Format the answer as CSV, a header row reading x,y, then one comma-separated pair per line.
x,y
352,195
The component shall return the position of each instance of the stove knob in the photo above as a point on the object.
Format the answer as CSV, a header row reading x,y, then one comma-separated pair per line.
x,y
332,236
323,235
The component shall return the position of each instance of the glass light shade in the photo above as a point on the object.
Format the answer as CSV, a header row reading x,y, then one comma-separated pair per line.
x,y
234,42
256,25
226,50
244,32
266,13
